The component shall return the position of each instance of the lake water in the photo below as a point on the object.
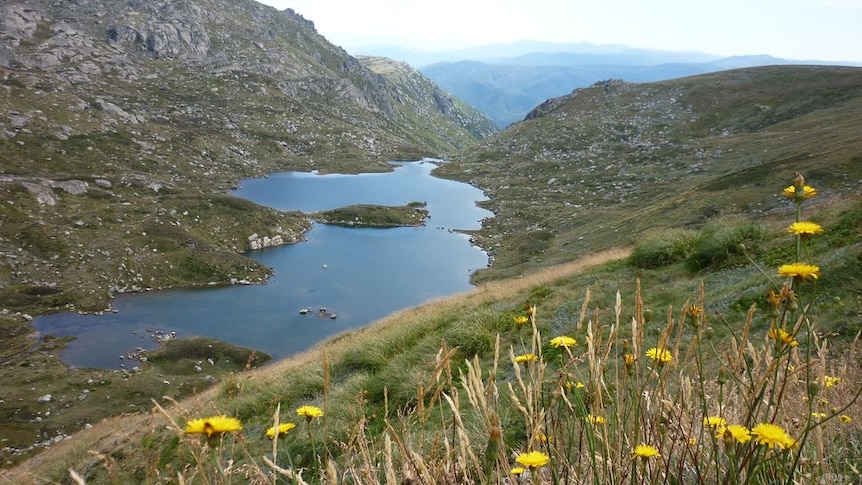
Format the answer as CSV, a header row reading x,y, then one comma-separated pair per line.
x,y
359,274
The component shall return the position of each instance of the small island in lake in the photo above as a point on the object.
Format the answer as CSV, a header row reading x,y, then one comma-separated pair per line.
x,y
370,215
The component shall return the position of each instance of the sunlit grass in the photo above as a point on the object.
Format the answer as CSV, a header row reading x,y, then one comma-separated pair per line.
x,y
553,378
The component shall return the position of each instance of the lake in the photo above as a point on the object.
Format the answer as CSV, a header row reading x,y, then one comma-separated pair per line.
x,y
358,274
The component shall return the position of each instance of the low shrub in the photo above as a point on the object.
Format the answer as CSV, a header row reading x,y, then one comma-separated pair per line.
x,y
724,242
663,248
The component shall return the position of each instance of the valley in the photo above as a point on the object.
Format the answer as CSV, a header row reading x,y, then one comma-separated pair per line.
x,y
124,128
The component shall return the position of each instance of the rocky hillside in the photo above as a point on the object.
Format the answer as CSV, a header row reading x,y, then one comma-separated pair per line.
x,y
124,123
413,85
600,167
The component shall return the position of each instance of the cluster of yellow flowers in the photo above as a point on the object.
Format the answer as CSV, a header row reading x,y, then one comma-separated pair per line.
x,y
764,433
217,425
803,229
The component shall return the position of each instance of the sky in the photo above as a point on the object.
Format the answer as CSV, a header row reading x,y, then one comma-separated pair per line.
x,y
826,30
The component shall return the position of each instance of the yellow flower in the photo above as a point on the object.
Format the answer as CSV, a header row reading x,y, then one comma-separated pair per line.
x,y
309,412
805,272
772,435
818,415
805,228
283,428
517,471
807,192
214,425
659,355
533,459
845,419
830,381
521,320
645,451
594,419
525,358
694,311
714,421
733,432
781,335
563,341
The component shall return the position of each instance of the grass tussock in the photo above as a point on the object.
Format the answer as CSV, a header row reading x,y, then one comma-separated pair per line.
x,y
509,385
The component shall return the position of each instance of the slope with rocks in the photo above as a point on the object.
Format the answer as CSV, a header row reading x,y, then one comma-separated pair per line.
x,y
600,167
124,124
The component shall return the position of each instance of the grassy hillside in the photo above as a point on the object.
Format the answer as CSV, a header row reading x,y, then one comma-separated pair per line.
x,y
461,389
123,125
610,163
691,175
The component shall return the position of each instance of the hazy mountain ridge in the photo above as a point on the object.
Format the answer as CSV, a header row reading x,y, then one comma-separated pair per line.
x,y
506,81
413,85
606,163
124,123
504,53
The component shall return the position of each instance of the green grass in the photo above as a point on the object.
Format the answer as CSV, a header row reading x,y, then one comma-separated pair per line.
x,y
412,214
687,172
392,379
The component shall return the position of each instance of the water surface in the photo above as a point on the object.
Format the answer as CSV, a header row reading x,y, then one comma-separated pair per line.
x,y
359,274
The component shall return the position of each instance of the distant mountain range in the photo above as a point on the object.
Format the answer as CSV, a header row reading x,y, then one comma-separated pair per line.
x,y
506,81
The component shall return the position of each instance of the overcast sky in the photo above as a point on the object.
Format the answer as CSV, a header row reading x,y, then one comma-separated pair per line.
x,y
829,30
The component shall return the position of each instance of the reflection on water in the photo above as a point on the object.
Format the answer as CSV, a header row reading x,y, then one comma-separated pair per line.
x,y
358,274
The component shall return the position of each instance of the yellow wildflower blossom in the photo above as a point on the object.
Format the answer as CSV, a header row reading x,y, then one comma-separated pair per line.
x,y
694,311
805,228
533,459
831,381
645,452
563,341
595,419
781,335
283,428
733,432
714,421
803,271
807,192
213,425
659,355
525,358
772,435
309,412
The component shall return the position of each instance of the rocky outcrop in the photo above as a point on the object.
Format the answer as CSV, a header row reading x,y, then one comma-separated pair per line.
x,y
256,241
42,189
165,29
18,22
109,108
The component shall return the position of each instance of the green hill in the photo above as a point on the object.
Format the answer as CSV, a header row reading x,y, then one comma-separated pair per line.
x,y
608,163
123,125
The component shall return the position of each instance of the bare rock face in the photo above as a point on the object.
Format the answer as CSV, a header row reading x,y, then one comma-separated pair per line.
x,y
43,189
44,195
168,29
17,23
